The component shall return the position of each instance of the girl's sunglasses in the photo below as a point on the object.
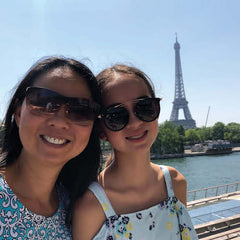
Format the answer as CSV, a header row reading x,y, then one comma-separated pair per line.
x,y
44,102
116,117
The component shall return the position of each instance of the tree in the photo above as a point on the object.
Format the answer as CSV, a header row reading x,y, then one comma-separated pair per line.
x,y
181,132
218,131
232,132
204,133
168,140
191,136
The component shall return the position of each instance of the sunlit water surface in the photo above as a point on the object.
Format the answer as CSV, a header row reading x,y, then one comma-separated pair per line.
x,y
206,171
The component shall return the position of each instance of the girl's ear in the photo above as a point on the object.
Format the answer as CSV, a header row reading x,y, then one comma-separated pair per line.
x,y
17,114
103,136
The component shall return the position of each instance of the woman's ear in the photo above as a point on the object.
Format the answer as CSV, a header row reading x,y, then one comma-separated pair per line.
x,y
17,114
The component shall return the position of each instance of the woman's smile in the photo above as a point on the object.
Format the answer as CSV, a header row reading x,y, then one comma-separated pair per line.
x,y
54,140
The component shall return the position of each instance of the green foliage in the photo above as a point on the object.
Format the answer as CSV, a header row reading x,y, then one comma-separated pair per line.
x,y
232,132
192,136
105,145
204,133
169,140
218,131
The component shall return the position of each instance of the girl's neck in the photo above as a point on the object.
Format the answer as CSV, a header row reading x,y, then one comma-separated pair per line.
x,y
130,169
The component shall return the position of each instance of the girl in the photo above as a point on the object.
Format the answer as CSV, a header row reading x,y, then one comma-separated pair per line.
x,y
49,143
134,198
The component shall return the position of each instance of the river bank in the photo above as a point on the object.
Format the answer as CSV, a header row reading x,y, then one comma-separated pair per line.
x,y
206,171
188,153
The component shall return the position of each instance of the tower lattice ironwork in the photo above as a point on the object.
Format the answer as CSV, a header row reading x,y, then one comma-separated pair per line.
x,y
180,101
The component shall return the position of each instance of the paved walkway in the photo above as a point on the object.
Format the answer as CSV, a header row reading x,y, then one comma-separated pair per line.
x,y
215,211
211,220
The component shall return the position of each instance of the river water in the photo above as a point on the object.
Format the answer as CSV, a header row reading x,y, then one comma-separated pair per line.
x,y
207,171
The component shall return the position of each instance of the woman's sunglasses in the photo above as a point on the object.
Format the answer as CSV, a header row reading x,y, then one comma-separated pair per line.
x,y
116,117
44,102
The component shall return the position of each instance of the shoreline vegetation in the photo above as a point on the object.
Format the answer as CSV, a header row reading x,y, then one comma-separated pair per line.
x,y
176,142
188,153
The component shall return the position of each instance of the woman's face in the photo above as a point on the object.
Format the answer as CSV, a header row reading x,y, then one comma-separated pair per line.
x,y
54,139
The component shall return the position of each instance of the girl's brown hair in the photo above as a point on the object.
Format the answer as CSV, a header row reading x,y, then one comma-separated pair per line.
x,y
109,74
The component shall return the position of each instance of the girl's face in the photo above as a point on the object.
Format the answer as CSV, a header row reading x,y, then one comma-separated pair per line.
x,y
54,139
137,135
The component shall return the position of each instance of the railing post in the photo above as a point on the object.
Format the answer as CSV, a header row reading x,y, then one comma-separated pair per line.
x,y
227,189
217,191
206,193
194,196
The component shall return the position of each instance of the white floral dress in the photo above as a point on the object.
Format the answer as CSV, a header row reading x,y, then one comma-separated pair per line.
x,y
168,220
18,222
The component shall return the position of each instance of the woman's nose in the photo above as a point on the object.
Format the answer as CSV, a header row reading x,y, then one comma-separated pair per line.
x,y
59,118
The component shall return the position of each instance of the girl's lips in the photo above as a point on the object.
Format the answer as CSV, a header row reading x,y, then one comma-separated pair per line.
x,y
54,140
137,137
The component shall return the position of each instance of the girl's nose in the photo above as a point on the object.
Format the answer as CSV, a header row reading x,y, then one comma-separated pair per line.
x,y
134,121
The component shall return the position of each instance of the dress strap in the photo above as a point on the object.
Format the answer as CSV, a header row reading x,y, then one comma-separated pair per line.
x,y
168,180
101,196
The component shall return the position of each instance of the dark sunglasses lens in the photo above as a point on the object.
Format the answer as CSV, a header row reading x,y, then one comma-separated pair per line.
x,y
116,119
81,113
41,100
44,101
147,109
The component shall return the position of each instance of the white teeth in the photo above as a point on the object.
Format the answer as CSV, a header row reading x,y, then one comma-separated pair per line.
x,y
54,140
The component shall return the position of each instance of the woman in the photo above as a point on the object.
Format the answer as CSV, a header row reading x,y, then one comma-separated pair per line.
x,y
133,198
50,143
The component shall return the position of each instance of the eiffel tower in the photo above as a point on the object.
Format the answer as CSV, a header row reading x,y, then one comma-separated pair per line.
x,y
180,101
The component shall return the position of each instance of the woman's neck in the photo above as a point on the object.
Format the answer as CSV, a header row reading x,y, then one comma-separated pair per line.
x,y
32,180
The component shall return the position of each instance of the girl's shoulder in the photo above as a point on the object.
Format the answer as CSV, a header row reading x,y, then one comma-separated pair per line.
x,y
178,182
176,176
88,203
87,212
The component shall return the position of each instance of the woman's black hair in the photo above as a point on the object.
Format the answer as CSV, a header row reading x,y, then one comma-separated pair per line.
x,y
77,173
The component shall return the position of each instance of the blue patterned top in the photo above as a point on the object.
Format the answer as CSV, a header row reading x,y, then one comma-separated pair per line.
x,y
168,220
18,222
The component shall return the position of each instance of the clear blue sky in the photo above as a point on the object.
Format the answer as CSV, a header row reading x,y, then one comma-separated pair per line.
x,y
137,32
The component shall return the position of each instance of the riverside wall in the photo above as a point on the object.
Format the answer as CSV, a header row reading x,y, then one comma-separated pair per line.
x,y
188,153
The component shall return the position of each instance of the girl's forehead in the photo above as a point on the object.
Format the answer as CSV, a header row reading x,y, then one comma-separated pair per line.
x,y
123,88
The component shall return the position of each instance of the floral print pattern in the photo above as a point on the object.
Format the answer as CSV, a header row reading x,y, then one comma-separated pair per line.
x,y
167,220
17,222
120,226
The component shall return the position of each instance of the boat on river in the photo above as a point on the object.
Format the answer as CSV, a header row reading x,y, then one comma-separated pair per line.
x,y
213,147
